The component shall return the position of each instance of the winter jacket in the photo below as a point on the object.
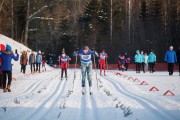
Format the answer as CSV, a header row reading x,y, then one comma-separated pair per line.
x,y
145,59
32,58
6,57
178,56
23,59
103,56
86,58
128,59
38,58
64,59
0,66
138,58
151,58
170,56
121,60
142,58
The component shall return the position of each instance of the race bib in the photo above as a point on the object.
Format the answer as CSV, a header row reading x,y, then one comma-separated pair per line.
x,y
102,56
86,57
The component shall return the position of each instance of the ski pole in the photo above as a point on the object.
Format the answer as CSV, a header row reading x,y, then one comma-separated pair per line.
x,y
106,64
74,72
96,71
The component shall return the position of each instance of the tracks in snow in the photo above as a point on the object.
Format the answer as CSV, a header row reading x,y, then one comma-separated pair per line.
x,y
146,103
45,107
31,88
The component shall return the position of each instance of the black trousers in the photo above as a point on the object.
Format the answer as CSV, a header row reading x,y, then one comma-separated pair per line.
x,y
62,72
126,66
1,80
32,67
142,65
38,67
170,68
138,67
179,67
5,75
23,68
151,67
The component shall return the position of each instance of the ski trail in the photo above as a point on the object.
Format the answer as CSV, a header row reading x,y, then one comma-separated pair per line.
x,y
88,105
30,89
147,104
43,108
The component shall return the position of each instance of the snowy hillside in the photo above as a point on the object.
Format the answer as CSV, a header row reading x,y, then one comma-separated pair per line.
x,y
117,96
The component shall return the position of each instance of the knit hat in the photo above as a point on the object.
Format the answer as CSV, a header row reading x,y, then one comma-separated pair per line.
x,y
8,48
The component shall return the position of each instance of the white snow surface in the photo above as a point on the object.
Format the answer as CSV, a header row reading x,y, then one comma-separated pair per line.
x,y
43,96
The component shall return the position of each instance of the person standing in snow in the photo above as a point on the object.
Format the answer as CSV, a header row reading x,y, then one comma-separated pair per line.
x,y
102,61
43,61
127,61
6,66
121,62
178,58
63,62
38,61
32,61
1,74
170,58
137,59
86,66
151,60
23,61
142,60
145,62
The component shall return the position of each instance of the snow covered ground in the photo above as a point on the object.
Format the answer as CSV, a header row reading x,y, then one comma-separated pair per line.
x,y
118,96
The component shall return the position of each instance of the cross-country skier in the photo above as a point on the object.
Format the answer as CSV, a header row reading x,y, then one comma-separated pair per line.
x,y
86,66
170,58
102,61
6,66
63,61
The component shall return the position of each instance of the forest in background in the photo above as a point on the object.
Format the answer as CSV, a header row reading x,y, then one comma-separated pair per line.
x,y
117,26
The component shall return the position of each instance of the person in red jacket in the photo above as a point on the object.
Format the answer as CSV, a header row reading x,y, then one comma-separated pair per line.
x,y
102,61
63,60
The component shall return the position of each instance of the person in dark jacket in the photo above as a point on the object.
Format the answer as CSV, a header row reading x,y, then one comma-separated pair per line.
x,y
170,58
121,62
128,59
43,62
38,61
178,58
32,61
0,74
6,66
23,61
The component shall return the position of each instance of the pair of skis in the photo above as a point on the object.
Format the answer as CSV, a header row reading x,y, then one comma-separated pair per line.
x,y
83,93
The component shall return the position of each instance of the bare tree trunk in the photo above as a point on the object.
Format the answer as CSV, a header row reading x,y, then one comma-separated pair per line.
x,y
27,24
1,5
12,19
